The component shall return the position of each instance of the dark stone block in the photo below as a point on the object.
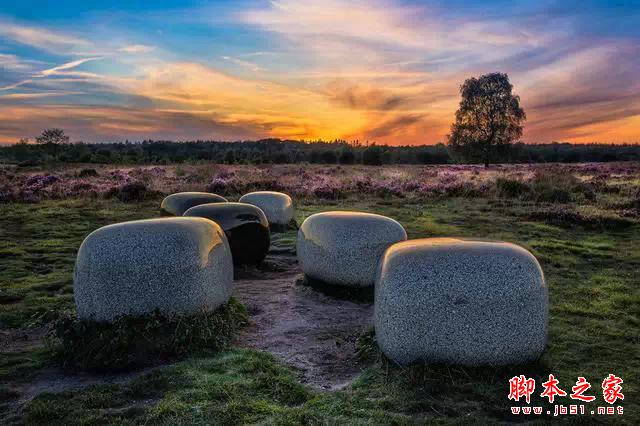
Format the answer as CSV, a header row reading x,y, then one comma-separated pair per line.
x,y
245,226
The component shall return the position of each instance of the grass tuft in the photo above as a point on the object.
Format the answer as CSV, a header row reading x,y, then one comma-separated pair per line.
x,y
136,341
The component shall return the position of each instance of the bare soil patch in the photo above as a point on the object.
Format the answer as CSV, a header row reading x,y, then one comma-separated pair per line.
x,y
309,330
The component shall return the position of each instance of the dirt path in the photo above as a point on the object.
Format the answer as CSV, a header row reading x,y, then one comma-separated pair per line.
x,y
310,331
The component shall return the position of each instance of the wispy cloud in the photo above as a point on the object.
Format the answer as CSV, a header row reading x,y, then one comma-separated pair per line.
x,y
15,85
340,28
55,71
136,48
61,69
17,64
41,38
14,96
246,64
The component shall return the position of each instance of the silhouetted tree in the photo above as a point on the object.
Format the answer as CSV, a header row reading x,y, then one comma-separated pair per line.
x,y
488,120
52,137
346,155
315,157
276,151
329,157
372,156
230,157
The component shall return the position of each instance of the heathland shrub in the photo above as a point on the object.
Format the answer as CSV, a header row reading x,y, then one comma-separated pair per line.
x,y
511,188
327,192
129,192
135,341
634,202
87,173
554,186
589,218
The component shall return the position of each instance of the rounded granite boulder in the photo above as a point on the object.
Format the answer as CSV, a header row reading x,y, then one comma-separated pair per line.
x,y
177,204
245,226
175,265
460,302
278,207
343,248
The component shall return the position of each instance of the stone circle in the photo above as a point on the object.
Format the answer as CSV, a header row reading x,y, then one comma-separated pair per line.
x,y
177,204
460,302
245,225
343,248
175,265
277,206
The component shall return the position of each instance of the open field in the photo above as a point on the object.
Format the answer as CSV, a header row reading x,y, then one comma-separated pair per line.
x,y
581,221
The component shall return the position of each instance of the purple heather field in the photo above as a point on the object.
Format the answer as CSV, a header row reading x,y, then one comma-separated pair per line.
x,y
324,182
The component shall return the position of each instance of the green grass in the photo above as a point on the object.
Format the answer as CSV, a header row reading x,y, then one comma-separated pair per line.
x,y
41,244
143,340
235,387
21,365
594,288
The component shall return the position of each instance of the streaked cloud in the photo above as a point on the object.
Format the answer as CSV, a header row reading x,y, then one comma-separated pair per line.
x,y
16,64
136,48
62,69
41,38
246,64
11,96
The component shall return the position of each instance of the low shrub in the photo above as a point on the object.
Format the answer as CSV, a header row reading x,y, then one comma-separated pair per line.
x,y
136,341
463,189
29,163
84,173
553,186
327,192
557,185
129,192
634,202
180,172
567,216
511,188
41,181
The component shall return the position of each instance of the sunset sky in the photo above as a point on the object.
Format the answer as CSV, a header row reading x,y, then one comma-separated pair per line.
x,y
380,70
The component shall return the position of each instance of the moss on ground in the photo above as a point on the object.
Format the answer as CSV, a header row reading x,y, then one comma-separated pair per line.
x,y
592,273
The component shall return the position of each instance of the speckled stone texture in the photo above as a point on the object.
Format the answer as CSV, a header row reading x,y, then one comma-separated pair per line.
x,y
278,207
343,248
177,204
175,265
460,302
245,226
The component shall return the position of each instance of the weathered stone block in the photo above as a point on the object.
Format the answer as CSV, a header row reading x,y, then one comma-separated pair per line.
x,y
175,265
245,226
278,207
462,302
177,204
343,248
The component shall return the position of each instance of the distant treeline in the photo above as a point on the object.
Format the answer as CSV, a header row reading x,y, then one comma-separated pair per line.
x,y
275,151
